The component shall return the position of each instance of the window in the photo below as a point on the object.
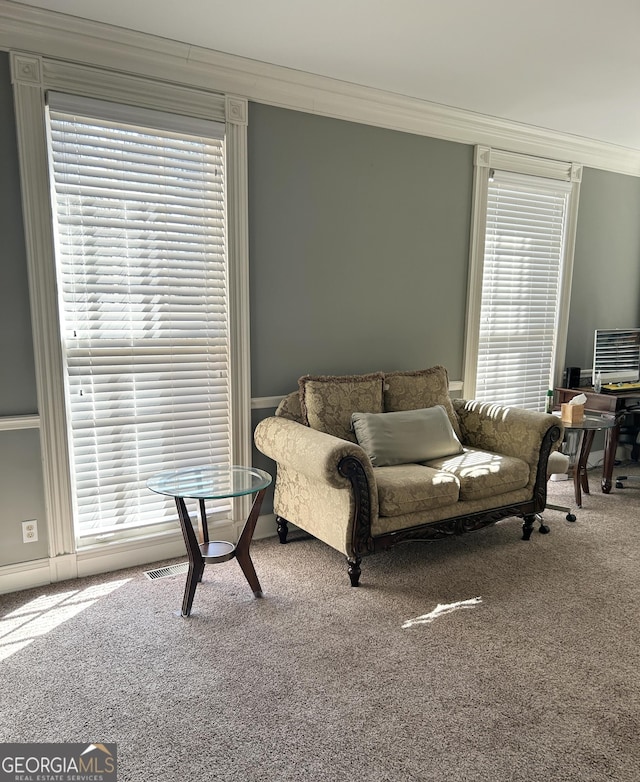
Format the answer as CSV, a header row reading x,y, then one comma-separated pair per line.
x,y
139,215
175,114
524,215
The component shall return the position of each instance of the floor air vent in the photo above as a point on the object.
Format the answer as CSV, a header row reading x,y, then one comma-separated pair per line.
x,y
164,572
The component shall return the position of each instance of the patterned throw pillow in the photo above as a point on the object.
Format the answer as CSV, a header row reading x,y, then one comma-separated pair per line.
x,y
329,401
417,389
289,407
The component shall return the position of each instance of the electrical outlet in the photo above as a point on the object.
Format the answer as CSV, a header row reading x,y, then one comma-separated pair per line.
x,y
29,531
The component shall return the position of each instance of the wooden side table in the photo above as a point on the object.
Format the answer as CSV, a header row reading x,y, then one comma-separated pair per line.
x,y
613,404
584,432
213,483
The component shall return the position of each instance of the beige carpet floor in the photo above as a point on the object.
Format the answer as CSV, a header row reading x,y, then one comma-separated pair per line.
x,y
481,657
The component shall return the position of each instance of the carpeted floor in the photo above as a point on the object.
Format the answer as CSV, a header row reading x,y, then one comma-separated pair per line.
x,y
481,657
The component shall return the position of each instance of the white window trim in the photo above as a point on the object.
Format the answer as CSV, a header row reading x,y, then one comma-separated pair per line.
x,y
31,77
486,158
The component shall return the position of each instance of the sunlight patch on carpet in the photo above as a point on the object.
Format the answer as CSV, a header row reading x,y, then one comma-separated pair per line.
x,y
36,618
440,610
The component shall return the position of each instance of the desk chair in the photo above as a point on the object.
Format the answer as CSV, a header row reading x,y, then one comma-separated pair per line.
x,y
558,464
631,438
621,478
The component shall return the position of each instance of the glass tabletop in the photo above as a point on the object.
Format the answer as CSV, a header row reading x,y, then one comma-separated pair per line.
x,y
209,482
591,421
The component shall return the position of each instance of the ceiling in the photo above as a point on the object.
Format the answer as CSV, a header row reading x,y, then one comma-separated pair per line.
x,y
566,65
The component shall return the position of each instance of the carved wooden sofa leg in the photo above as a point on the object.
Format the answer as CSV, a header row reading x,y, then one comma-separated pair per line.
x,y
527,527
354,570
283,528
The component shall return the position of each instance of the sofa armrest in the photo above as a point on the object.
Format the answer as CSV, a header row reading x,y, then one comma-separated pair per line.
x,y
324,484
507,430
308,451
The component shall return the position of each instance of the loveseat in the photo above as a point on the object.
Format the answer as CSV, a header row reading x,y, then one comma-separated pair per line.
x,y
368,461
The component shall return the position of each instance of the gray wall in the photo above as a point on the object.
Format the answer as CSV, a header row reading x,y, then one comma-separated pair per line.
x,y
21,486
18,386
359,244
605,293
21,496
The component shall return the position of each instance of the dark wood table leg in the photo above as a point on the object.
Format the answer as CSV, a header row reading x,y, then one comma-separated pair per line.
x,y
196,560
577,477
244,542
204,526
196,563
193,577
611,445
585,450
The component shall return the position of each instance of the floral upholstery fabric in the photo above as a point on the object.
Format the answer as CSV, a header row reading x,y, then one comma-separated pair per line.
x,y
418,389
471,475
312,453
483,474
327,402
408,488
311,493
505,430
291,408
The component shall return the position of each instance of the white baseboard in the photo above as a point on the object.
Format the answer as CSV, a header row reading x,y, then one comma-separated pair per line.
x,y
266,527
110,557
63,567
24,575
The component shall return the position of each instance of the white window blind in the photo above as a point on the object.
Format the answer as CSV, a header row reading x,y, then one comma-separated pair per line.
x,y
522,273
139,209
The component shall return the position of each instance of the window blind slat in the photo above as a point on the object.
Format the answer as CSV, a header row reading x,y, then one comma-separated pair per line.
x,y
140,232
524,246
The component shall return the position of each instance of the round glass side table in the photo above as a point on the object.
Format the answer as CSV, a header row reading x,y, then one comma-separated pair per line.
x,y
579,438
213,483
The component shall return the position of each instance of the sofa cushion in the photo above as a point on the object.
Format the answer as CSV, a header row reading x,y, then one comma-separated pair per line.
x,y
418,389
408,488
483,474
406,436
328,402
290,408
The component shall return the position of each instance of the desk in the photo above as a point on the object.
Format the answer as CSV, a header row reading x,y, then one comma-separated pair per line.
x,y
579,452
213,483
616,404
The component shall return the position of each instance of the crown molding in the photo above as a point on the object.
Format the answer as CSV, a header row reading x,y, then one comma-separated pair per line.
x,y
64,37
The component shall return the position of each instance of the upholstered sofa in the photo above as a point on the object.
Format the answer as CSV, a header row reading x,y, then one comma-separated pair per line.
x,y
368,461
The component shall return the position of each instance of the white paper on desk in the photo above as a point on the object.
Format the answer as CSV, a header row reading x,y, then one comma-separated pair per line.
x,y
578,400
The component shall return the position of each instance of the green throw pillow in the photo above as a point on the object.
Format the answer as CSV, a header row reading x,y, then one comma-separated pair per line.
x,y
405,437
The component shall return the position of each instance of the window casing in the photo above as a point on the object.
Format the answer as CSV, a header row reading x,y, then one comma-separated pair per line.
x,y
523,236
33,77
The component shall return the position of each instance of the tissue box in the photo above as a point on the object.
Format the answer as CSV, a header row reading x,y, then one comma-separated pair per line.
x,y
572,414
